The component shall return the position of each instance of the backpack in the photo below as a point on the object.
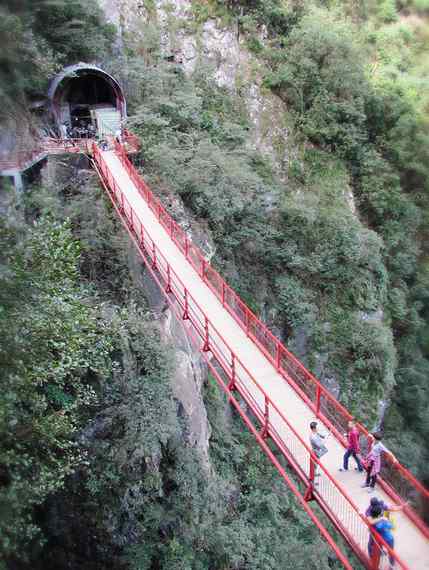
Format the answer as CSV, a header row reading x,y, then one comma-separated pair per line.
x,y
384,527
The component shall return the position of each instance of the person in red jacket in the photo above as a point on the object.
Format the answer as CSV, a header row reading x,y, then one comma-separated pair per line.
x,y
353,447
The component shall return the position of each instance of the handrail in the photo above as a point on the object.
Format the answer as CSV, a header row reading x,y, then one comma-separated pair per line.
x,y
212,341
325,406
18,160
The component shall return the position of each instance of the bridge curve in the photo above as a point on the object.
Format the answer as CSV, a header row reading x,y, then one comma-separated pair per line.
x,y
251,365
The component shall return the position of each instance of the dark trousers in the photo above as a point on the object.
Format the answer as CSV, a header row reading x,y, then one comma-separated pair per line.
x,y
370,479
348,453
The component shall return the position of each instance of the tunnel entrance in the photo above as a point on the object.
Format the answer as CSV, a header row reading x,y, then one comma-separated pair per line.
x,y
85,101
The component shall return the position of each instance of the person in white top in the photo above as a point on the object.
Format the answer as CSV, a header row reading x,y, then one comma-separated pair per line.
x,y
317,441
373,461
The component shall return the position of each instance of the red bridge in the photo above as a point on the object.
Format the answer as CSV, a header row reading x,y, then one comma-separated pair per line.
x,y
251,365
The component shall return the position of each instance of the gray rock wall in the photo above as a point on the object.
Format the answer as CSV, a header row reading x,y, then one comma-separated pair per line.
x,y
225,50
189,369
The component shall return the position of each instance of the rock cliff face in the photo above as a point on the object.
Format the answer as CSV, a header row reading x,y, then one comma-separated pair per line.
x,y
189,369
221,46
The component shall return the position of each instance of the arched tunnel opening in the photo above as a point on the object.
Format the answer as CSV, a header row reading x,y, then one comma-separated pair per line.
x,y
86,101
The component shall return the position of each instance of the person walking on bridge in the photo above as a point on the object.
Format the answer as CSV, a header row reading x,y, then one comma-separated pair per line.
x,y
319,448
317,441
387,509
373,460
382,527
353,447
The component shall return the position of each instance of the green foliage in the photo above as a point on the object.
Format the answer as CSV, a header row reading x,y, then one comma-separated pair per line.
x,y
137,476
359,93
387,11
95,227
420,6
237,517
319,72
39,36
54,353
278,16
75,30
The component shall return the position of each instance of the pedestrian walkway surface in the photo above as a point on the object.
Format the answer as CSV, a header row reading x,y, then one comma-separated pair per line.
x,y
410,544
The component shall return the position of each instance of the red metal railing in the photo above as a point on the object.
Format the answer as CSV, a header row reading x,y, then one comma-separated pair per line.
x,y
233,376
396,480
57,146
132,142
19,159
22,159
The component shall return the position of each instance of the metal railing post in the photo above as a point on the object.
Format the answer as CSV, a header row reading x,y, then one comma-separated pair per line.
x,y
278,353
185,315
231,385
153,256
142,236
264,432
168,287
206,345
309,495
318,394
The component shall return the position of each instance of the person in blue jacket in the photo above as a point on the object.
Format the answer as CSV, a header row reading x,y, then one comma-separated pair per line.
x,y
383,527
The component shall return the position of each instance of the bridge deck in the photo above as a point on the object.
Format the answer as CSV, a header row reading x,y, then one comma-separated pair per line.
x,y
410,544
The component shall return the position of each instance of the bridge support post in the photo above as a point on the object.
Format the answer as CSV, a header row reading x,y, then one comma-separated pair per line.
x,y
264,433
153,256
231,385
309,493
278,357
206,345
185,315
318,393
168,286
18,182
309,496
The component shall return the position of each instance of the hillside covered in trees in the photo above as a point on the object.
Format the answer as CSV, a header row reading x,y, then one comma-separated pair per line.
x,y
329,245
